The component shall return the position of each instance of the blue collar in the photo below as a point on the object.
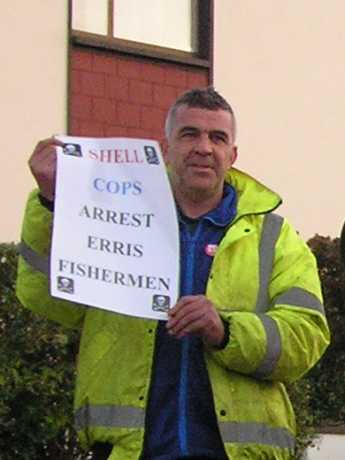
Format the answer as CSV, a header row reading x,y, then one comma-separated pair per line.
x,y
222,215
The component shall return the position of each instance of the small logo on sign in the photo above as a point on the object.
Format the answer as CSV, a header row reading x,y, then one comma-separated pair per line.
x,y
73,150
65,284
160,303
211,249
151,155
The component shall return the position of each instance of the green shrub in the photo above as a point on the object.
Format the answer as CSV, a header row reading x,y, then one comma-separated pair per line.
x,y
328,376
36,378
300,395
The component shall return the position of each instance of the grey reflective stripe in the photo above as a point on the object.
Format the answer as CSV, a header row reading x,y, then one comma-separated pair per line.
x,y
130,417
109,416
273,348
38,262
270,233
257,433
300,298
269,236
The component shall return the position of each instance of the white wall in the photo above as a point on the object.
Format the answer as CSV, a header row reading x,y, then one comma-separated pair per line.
x,y
33,94
329,447
282,66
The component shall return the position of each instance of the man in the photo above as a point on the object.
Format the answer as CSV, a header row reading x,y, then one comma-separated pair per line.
x,y
209,382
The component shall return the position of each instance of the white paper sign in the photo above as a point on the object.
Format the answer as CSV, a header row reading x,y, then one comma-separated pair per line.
x,y
115,235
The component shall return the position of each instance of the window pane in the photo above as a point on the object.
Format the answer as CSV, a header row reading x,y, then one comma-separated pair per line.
x,y
164,23
90,16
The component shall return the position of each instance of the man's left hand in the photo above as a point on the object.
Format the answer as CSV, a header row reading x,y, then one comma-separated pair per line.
x,y
196,315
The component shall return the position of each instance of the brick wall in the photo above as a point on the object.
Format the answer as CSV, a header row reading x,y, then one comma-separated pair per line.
x,y
114,95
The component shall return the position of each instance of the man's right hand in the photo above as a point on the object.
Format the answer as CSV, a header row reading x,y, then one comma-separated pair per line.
x,y
43,166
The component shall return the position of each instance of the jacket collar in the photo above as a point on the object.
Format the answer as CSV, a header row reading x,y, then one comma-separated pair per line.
x,y
252,196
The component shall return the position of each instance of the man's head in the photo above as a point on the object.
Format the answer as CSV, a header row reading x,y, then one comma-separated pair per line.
x,y
200,130
202,98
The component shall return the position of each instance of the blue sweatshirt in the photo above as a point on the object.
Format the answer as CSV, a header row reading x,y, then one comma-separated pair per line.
x,y
180,418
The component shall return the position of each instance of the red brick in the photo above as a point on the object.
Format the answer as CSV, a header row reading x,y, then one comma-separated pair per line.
x,y
92,84
104,63
129,115
116,88
180,91
152,118
152,72
163,96
80,106
75,81
81,60
197,79
115,131
91,129
139,133
159,136
129,68
140,92
104,110
74,127
175,76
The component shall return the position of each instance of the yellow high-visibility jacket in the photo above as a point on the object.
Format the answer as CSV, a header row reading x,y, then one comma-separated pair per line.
x,y
263,281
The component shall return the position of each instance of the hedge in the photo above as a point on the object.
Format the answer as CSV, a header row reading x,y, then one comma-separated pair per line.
x,y
36,378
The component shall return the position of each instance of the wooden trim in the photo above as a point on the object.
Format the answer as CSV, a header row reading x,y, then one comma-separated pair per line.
x,y
203,57
203,29
211,42
138,49
69,65
110,18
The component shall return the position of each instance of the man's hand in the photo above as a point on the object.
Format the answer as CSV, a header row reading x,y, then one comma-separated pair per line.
x,y
196,315
43,166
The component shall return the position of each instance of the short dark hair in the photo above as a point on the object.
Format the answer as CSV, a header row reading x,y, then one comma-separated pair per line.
x,y
203,98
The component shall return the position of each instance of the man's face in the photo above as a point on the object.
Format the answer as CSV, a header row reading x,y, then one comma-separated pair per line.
x,y
201,149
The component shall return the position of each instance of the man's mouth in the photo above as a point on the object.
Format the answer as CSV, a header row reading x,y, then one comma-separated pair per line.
x,y
200,166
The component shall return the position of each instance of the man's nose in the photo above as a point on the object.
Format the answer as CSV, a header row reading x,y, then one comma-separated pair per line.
x,y
204,144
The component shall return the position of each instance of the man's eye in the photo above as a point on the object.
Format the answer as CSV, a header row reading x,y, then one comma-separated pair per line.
x,y
189,134
219,138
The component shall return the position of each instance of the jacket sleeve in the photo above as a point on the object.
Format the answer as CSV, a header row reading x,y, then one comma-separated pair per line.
x,y
32,285
285,338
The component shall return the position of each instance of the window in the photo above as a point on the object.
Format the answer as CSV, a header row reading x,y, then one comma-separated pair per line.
x,y
156,23
176,29
90,16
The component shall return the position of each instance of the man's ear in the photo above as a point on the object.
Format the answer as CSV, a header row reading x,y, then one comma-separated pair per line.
x,y
233,154
164,147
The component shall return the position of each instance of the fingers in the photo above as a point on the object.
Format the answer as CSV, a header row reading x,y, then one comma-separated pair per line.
x,y
196,315
186,310
189,321
47,142
45,147
188,299
42,164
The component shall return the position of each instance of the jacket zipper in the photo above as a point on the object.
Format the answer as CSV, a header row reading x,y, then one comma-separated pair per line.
x,y
183,388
